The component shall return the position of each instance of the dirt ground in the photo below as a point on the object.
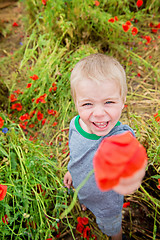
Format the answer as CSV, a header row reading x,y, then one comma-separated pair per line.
x,y
11,39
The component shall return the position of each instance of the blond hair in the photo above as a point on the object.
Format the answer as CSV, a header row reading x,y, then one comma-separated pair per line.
x,y
99,67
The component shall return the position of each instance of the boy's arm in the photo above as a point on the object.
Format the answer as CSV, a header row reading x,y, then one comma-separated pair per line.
x,y
67,179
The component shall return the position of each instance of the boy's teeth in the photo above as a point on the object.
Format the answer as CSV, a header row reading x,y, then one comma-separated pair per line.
x,y
101,124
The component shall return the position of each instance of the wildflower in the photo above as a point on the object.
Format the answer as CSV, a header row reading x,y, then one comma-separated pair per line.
x,y
34,77
139,3
4,130
39,116
23,125
44,2
17,91
31,125
1,122
13,98
157,117
148,38
138,74
44,121
82,220
29,85
54,86
86,232
3,191
107,173
15,24
126,204
94,237
54,124
128,23
111,20
96,3
5,219
158,186
80,228
125,27
41,98
116,18
17,106
154,30
134,31
24,117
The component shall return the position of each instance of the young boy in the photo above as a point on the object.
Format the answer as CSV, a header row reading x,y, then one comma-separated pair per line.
x,y
98,86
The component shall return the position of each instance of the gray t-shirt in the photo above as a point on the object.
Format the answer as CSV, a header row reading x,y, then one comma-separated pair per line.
x,y
83,146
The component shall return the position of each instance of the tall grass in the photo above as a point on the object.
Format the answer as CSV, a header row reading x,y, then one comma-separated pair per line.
x,y
34,159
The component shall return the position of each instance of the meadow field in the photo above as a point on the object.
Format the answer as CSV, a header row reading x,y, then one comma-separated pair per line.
x,y
36,109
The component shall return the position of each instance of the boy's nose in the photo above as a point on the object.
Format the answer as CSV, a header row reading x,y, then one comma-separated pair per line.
x,y
98,112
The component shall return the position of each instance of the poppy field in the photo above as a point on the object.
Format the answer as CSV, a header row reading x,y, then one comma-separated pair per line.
x,y
37,108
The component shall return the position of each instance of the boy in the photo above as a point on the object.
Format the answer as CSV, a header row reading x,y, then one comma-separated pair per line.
x,y
98,86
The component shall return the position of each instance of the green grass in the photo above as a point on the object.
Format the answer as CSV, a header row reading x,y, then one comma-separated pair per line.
x,y
33,160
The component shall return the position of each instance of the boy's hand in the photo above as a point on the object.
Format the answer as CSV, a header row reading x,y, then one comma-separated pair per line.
x,y
129,185
120,163
67,180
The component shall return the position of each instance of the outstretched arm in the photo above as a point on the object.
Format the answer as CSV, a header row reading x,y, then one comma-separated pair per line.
x,y
67,179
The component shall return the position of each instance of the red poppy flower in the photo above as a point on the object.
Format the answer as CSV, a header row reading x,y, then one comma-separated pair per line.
x,y
154,30
17,106
13,98
111,20
43,121
44,2
31,125
1,122
128,23
29,85
116,18
118,156
39,116
15,24
96,3
18,91
134,31
82,220
125,27
139,3
86,233
3,191
34,77
158,186
54,124
5,219
80,228
126,204
24,117
148,38
157,117
23,125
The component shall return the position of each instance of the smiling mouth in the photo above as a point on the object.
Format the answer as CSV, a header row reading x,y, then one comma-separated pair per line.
x,y
101,124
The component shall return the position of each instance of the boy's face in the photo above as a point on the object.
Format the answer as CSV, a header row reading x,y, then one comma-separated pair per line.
x,y
99,106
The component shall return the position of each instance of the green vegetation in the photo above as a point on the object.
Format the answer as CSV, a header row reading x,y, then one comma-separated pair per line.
x,y
34,129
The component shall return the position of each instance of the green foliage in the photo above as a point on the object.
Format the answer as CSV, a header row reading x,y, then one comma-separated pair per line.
x,y
33,159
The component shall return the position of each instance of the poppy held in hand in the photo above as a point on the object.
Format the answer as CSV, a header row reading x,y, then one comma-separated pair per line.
x,y
3,191
118,156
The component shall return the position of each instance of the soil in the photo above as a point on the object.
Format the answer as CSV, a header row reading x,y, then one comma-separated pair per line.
x,y
137,217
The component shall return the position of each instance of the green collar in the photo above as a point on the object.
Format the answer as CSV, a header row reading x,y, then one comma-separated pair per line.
x,y
84,133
